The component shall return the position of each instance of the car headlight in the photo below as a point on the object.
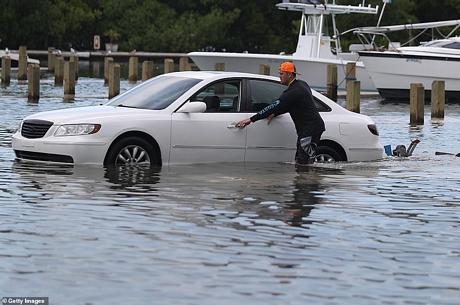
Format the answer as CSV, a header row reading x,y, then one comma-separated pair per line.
x,y
77,129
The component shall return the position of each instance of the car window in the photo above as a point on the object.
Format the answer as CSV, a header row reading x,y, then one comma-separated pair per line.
x,y
155,94
220,97
264,93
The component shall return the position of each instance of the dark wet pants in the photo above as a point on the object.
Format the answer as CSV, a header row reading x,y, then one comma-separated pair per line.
x,y
306,149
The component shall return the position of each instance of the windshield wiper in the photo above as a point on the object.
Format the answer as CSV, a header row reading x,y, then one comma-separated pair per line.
x,y
126,106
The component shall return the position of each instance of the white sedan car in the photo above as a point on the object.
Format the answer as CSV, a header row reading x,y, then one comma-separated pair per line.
x,y
189,117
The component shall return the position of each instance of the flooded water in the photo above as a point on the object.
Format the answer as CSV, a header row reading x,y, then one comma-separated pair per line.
x,y
385,232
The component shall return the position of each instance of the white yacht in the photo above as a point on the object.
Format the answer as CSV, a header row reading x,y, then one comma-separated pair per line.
x,y
315,49
393,69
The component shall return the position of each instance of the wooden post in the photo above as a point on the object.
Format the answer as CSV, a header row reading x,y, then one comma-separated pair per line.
x,y
51,59
34,82
438,99
169,65
69,79
417,104
183,64
22,65
332,82
75,60
219,66
114,80
59,71
353,96
264,69
107,62
351,72
6,70
147,70
133,69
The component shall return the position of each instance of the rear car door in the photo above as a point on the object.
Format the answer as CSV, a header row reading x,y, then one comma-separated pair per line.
x,y
275,142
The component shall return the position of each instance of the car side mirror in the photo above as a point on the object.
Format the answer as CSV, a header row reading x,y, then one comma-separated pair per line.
x,y
193,107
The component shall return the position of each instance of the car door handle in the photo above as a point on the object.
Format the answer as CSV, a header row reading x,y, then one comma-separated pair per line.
x,y
233,127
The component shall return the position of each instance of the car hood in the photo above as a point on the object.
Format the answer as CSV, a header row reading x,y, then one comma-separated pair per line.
x,y
89,114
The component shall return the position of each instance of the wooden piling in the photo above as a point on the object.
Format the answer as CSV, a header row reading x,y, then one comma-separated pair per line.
x,y
133,69
331,91
59,71
147,70
169,65
75,60
22,65
34,82
417,104
114,80
51,59
219,66
351,72
107,62
438,99
353,96
69,79
6,70
183,64
264,69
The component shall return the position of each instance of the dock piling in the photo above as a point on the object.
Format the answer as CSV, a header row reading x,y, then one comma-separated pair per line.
x,y
353,96
133,69
438,99
107,62
169,65
331,91
33,82
114,80
6,70
59,71
417,104
219,66
22,65
147,70
264,69
69,80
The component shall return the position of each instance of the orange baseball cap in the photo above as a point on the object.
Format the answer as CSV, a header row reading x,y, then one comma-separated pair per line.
x,y
288,67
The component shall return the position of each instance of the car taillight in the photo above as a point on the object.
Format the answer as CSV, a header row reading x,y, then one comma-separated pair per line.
x,y
373,129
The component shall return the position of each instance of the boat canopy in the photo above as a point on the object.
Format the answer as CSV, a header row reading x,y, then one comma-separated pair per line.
x,y
311,7
409,26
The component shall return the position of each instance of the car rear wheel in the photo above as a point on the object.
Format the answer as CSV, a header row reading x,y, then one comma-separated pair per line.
x,y
326,154
132,152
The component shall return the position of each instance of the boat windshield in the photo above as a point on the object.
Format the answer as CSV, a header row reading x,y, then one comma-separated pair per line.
x,y
155,94
443,43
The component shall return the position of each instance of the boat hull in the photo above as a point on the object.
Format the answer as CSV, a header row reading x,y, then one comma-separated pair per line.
x,y
313,71
394,72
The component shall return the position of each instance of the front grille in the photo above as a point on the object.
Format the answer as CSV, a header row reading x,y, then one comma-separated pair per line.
x,y
36,156
34,129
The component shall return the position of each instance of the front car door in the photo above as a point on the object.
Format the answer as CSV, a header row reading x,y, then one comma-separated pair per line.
x,y
209,136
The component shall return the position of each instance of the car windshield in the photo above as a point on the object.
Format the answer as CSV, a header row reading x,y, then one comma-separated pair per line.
x,y
155,94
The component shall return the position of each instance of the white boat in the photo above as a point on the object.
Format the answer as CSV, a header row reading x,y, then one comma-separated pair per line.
x,y
14,56
314,48
395,68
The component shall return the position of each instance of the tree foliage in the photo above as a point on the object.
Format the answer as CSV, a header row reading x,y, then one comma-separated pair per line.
x,y
187,25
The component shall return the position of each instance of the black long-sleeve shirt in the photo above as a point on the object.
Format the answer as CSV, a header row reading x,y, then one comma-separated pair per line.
x,y
297,99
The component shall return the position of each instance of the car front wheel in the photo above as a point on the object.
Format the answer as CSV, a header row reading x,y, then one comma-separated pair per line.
x,y
133,152
326,154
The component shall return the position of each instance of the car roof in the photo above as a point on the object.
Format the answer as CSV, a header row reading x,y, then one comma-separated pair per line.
x,y
208,75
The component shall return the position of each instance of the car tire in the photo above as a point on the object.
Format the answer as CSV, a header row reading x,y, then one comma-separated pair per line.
x,y
325,154
132,152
